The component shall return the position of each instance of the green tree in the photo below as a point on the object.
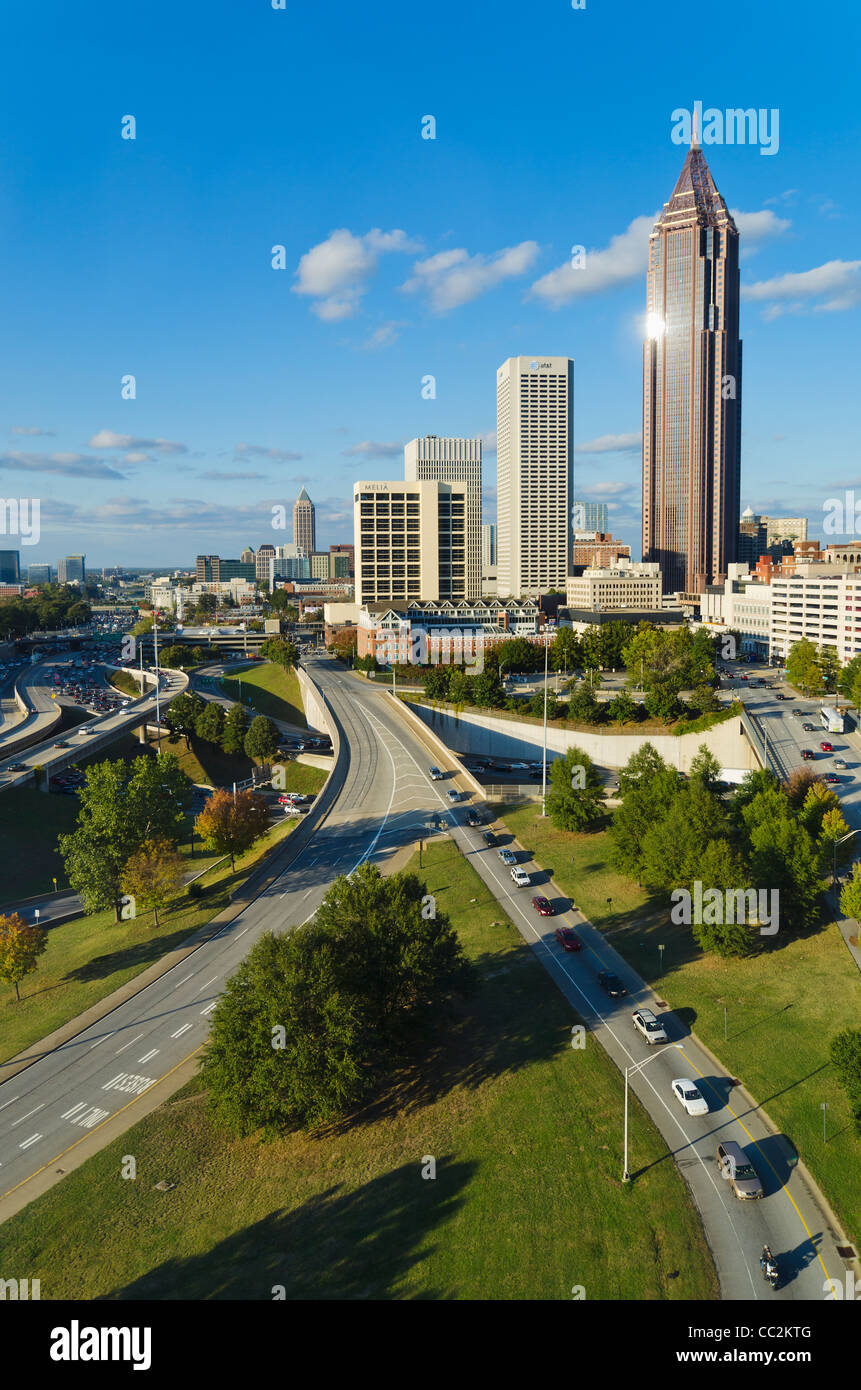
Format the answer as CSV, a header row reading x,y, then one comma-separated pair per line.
x,y
565,651
575,796
96,851
153,875
182,715
783,856
235,729
850,894
583,708
210,725
722,867
261,741
232,823
488,691
674,845
20,948
845,1053
622,709
705,766
159,796
802,668
314,1019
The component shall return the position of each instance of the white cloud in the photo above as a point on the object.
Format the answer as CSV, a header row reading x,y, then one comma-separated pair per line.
x,y
385,335
373,448
68,465
335,272
452,278
836,284
754,228
610,444
624,259
109,439
31,430
261,451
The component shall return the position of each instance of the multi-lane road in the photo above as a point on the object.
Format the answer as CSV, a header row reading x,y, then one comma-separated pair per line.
x,y
90,1088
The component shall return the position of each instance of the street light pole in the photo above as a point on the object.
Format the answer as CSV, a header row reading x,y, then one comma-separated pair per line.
x,y
629,1071
157,707
842,839
544,762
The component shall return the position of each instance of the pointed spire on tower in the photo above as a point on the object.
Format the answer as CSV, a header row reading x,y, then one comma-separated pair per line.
x,y
695,134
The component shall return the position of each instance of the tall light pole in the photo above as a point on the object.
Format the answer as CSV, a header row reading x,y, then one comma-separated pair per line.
x,y
629,1071
842,839
157,706
544,761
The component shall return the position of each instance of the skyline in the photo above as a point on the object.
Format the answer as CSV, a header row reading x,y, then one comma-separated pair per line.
x,y
407,258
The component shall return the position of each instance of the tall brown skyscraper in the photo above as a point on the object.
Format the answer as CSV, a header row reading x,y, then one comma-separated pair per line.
x,y
692,385
304,523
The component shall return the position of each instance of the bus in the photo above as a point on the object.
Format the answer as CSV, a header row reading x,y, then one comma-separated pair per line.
x,y
831,719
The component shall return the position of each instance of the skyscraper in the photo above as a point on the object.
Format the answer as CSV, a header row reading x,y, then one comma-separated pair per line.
x,y
410,541
72,569
304,523
10,567
590,516
535,475
692,385
488,545
443,459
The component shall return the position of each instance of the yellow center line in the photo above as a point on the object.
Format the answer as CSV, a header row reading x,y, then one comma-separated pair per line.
x,y
97,1127
766,1160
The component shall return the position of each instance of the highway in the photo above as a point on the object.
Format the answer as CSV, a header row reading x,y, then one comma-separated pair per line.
x,y
90,1086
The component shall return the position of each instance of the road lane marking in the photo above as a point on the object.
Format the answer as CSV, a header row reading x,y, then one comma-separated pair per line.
x,y
184,981
208,983
27,1116
129,1082
102,1039
148,1055
67,1114
27,1142
128,1044
179,1032
209,1008
8,1102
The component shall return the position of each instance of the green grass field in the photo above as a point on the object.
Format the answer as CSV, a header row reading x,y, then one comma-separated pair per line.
x,y
783,1006
527,1202
89,957
124,681
271,690
30,822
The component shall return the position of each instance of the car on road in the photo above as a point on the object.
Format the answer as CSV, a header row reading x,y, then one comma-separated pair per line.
x,y
473,818
17,767
61,743
687,1095
507,856
742,676
650,1027
808,754
568,939
839,762
543,906
435,774
831,778
489,838
781,696
611,984
808,727
520,877
826,746
738,1170
454,796
799,713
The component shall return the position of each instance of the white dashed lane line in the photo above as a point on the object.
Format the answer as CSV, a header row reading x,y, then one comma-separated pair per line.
x,y
148,1055
27,1116
179,1032
128,1044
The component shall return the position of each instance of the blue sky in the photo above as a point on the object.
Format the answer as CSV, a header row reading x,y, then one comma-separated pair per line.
x,y
404,257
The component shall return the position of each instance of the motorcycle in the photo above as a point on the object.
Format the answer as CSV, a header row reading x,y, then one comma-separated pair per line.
x,y
769,1271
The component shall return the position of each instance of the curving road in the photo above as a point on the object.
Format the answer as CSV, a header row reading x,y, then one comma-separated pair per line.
x,y
87,1091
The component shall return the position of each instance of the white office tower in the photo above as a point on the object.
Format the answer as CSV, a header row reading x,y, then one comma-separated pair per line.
x,y
535,475
488,545
437,458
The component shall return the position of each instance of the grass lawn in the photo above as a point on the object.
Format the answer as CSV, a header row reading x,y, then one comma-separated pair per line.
x,y
30,822
783,1006
206,763
124,681
90,957
271,690
526,1203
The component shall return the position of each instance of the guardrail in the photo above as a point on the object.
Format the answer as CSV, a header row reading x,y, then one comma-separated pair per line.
x,y
766,752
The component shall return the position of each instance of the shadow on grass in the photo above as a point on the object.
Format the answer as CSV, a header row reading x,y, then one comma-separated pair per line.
x,y
339,1244
505,1026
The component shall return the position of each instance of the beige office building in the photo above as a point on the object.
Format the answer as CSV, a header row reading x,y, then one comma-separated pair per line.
x,y
450,460
535,475
305,523
410,541
625,585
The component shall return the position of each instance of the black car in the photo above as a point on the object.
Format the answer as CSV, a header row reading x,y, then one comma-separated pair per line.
x,y
781,696
611,984
489,838
473,819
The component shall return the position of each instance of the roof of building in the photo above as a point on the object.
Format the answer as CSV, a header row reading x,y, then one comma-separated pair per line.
x,y
695,196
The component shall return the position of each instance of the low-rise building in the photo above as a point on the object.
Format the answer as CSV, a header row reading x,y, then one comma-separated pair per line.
x,y
624,585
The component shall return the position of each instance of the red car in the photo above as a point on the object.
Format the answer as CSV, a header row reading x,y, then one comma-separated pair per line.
x,y
568,939
827,747
542,906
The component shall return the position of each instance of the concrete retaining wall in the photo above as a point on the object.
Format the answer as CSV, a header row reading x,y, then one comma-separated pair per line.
x,y
316,710
474,732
